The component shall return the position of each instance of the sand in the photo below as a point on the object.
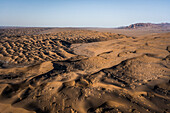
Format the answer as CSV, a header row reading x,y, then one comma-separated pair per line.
x,y
83,71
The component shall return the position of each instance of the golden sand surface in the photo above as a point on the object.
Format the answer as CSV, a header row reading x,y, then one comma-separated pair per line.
x,y
84,71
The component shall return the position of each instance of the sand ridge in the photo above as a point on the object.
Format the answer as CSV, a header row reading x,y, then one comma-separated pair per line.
x,y
33,49
121,74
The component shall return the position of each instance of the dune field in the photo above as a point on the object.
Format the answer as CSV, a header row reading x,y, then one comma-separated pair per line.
x,y
83,70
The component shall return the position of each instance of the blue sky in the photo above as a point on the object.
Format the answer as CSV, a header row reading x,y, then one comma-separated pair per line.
x,y
82,13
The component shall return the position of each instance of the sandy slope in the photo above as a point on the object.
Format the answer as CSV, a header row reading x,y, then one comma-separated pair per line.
x,y
120,75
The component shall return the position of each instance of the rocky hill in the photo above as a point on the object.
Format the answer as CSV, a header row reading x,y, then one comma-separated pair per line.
x,y
146,25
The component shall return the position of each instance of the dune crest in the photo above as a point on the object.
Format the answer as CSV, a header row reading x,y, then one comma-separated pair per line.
x,y
72,71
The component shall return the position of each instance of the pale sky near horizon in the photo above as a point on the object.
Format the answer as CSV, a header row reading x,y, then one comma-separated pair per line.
x,y
82,13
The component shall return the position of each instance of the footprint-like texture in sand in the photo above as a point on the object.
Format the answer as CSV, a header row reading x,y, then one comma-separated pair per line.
x,y
85,71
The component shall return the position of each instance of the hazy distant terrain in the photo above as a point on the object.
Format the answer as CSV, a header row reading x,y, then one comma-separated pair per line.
x,y
85,70
163,26
138,29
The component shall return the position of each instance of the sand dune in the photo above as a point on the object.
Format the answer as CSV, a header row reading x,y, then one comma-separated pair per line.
x,y
85,71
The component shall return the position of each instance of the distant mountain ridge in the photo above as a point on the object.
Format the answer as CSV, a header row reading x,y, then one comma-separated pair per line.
x,y
146,25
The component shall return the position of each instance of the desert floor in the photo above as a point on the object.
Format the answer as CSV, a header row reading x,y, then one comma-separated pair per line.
x,y
83,71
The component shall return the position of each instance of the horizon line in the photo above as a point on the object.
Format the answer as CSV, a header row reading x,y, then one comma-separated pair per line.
x,y
20,26
59,26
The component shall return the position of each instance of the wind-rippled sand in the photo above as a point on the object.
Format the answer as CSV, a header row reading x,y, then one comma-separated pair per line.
x,y
85,71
